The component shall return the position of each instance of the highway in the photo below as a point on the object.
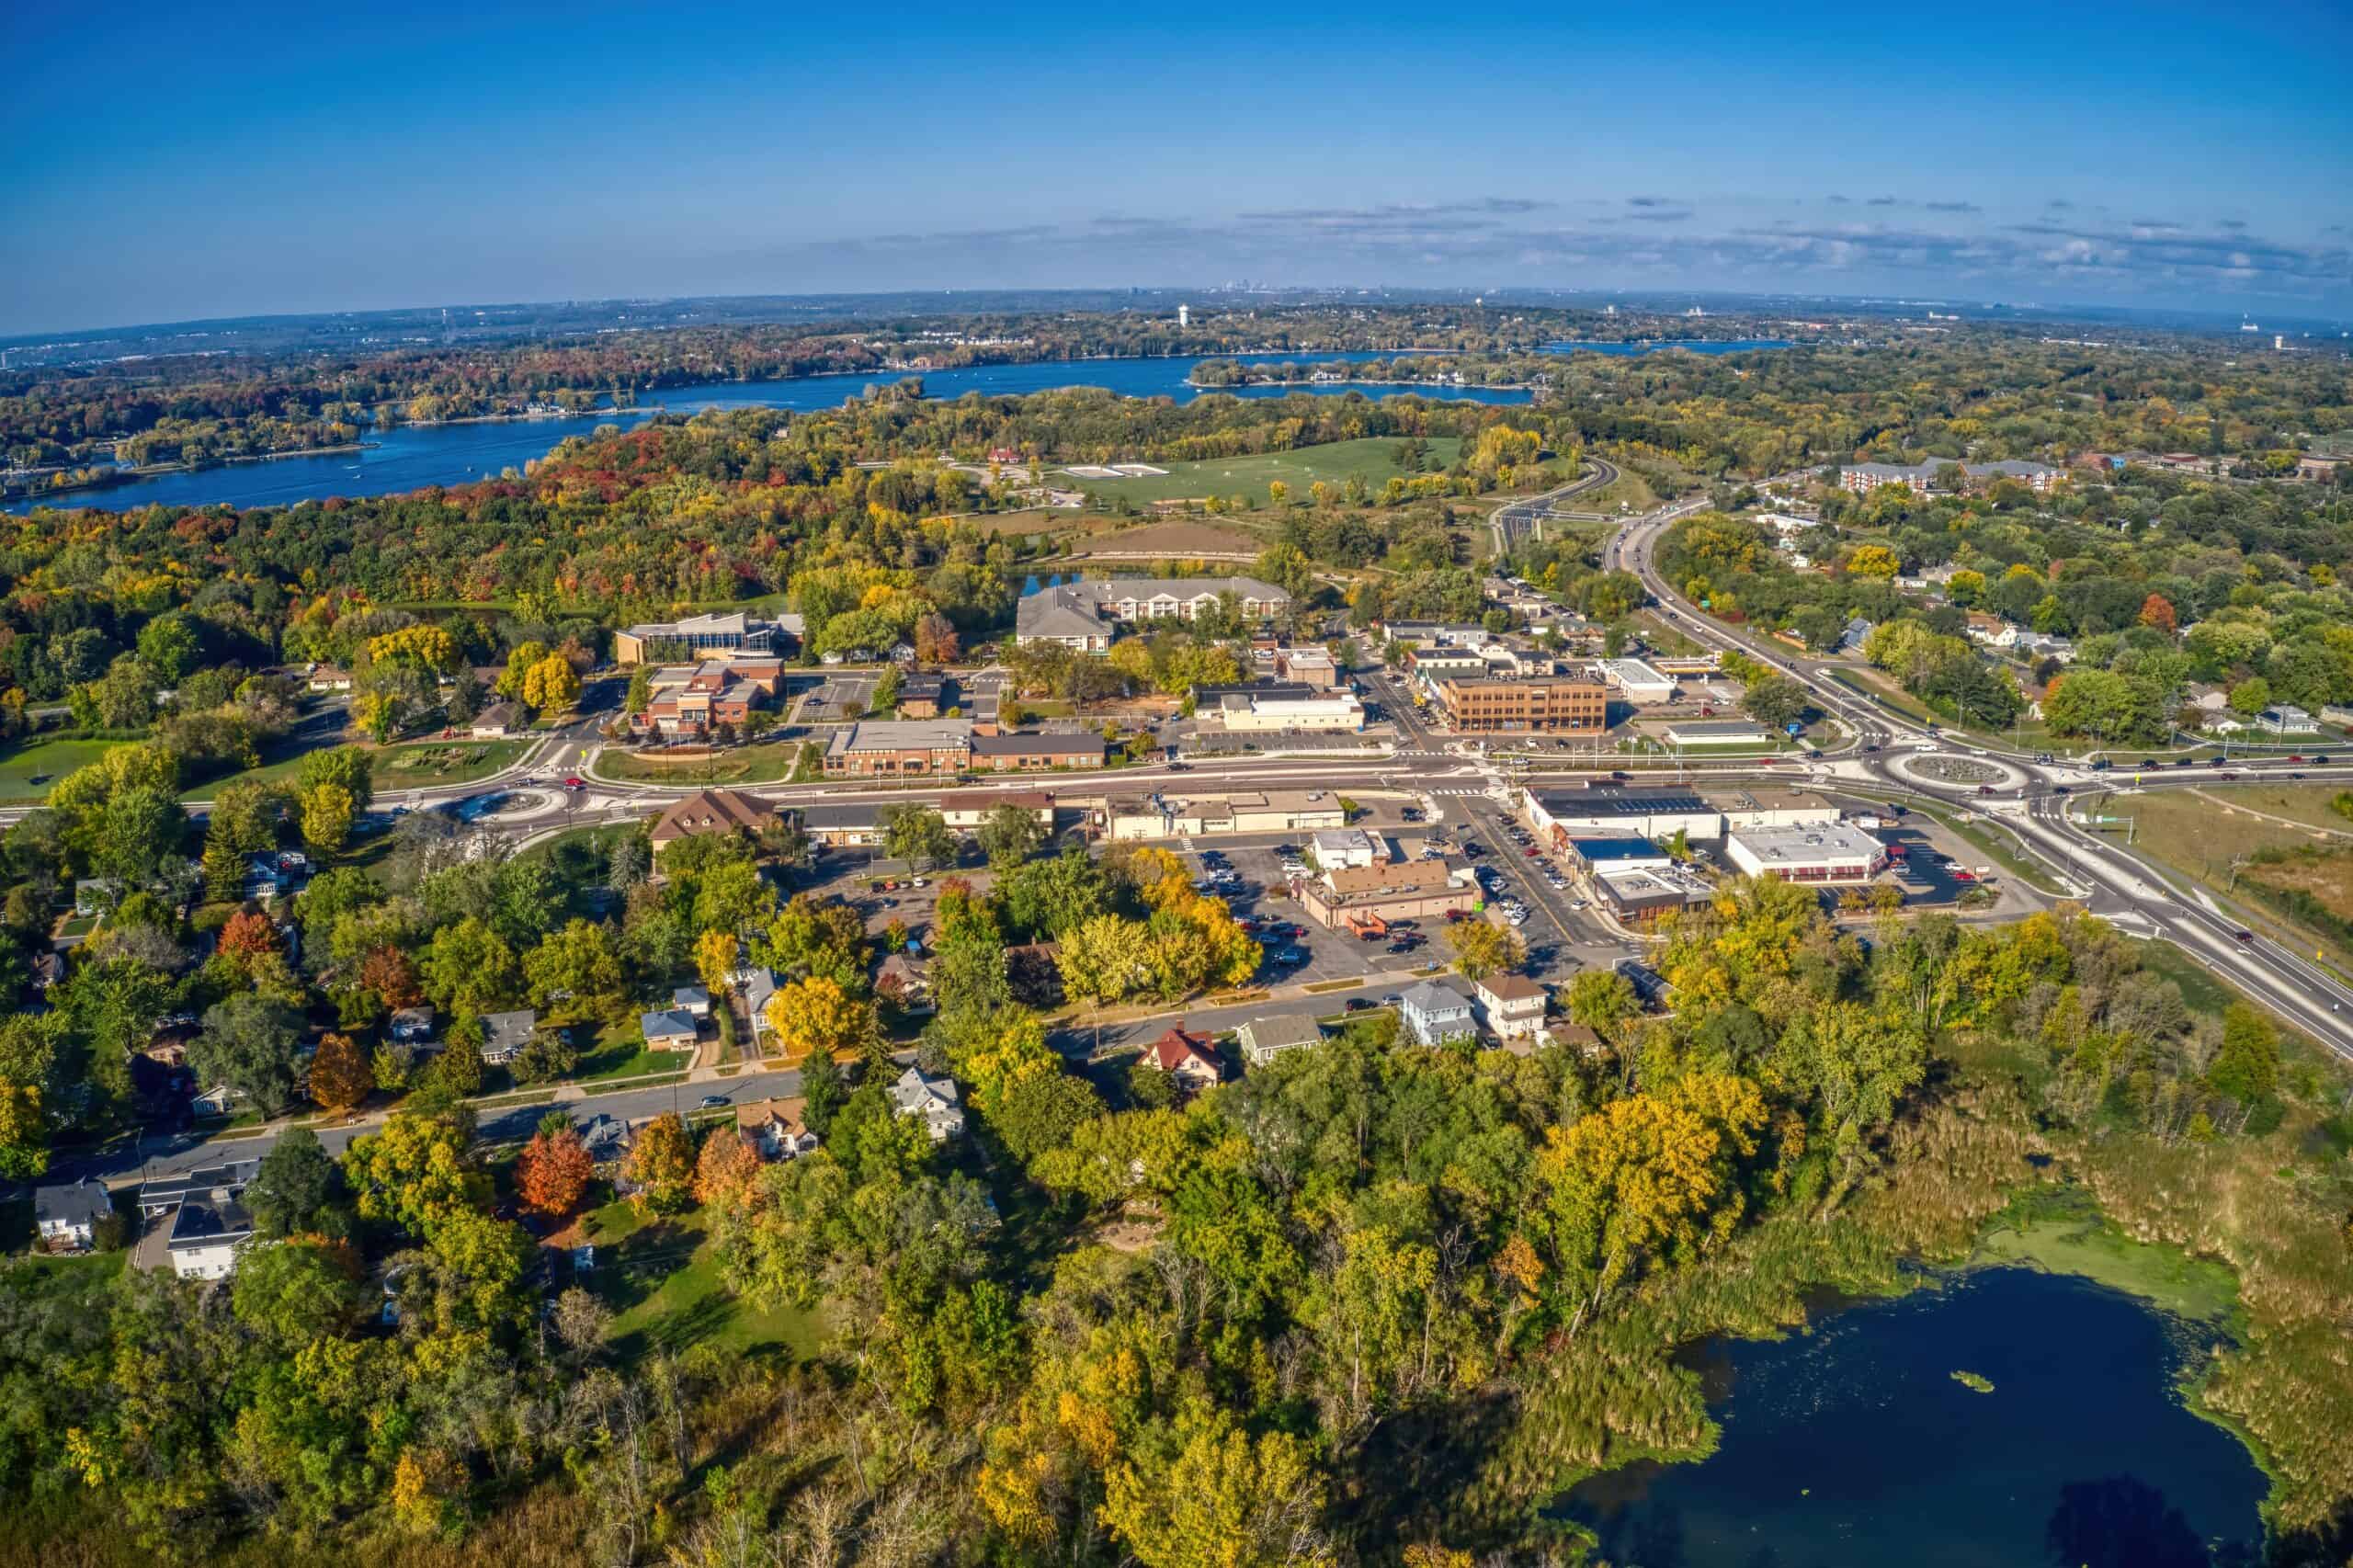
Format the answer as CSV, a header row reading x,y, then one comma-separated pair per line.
x,y
1522,518
2121,887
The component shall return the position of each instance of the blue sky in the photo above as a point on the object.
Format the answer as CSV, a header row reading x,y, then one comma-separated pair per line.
x,y
252,159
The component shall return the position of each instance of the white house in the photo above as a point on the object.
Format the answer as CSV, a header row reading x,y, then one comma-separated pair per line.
x,y
937,1101
1434,1013
66,1217
2287,719
1511,1006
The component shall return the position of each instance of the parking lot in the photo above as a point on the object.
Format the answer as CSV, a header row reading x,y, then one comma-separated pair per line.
x,y
1256,891
840,696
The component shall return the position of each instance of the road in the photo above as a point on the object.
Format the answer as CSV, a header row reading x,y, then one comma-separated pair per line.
x,y
2121,886
1523,517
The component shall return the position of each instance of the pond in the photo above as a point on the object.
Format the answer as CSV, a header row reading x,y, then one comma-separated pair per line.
x,y
1856,1446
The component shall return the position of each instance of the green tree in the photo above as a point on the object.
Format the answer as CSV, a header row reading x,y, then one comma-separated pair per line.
x,y
1010,834
248,1043
1481,948
293,1184
918,834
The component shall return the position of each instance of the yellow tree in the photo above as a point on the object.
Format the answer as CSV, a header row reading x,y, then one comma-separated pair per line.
x,y
661,1165
551,685
1224,1501
817,1015
715,961
423,647
328,811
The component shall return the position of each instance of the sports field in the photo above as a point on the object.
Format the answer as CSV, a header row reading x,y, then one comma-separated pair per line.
x,y
1373,460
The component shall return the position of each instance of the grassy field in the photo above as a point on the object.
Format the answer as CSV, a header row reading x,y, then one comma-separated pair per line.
x,y
405,764
661,1280
52,760
2199,988
1373,460
2201,833
740,765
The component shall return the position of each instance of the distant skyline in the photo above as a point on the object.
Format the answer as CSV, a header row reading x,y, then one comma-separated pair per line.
x,y
264,160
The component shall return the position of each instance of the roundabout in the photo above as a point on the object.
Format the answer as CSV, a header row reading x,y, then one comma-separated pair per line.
x,y
1943,770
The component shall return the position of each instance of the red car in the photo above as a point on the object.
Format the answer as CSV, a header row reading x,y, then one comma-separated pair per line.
x,y
575,782
1965,876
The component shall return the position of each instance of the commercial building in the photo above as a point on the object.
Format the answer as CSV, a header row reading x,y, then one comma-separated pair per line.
x,y
1128,817
1702,733
1085,614
728,635
896,747
1773,807
690,701
1308,666
1260,713
1019,751
966,810
1393,890
1431,666
1605,809
1556,704
1636,894
1352,846
1833,853
1637,681
1632,854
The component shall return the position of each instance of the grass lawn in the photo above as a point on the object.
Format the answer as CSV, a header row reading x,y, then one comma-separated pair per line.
x,y
764,764
52,760
405,765
661,1280
1373,460
621,1051
2200,833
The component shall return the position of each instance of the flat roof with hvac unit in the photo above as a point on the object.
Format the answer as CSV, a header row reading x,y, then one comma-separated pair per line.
x,y
1830,852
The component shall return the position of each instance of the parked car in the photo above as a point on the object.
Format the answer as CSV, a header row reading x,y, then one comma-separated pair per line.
x,y
711,1102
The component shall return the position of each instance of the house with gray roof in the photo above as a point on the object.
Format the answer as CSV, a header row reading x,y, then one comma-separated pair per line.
x,y
1435,1012
1265,1038
937,1101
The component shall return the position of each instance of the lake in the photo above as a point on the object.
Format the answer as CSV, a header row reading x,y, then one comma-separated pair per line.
x,y
1854,1447
410,458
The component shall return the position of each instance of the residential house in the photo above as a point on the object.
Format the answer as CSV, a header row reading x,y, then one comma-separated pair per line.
x,y
936,1100
775,1129
1435,1012
606,1139
1510,1007
1856,632
1265,1038
327,678
711,811
1190,1059
692,999
759,985
66,1217
904,982
2287,719
410,1026
503,1035
667,1030
199,1218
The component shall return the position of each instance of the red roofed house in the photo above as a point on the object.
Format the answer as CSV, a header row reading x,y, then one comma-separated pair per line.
x,y
1190,1059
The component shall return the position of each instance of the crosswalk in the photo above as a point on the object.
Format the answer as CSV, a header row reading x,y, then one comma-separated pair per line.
x,y
1464,790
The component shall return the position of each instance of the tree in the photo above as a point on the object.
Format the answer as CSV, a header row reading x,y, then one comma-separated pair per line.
x,y
294,1182
391,974
2250,696
169,647
346,765
327,813
458,1070
936,640
816,1016
551,685
248,1043
715,954
1601,999
2157,614
553,1169
1775,701
577,970
1010,834
2246,1069
822,1093
341,1077
1481,948
726,1164
661,1165
468,969
296,1294
918,834
1221,1499
416,1173
1105,961
246,935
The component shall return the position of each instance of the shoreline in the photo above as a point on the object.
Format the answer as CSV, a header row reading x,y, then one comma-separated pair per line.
x,y
1529,387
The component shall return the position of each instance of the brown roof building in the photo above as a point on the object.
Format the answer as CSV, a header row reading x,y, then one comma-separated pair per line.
x,y
1403,890
1571,704
711,811
1021,750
